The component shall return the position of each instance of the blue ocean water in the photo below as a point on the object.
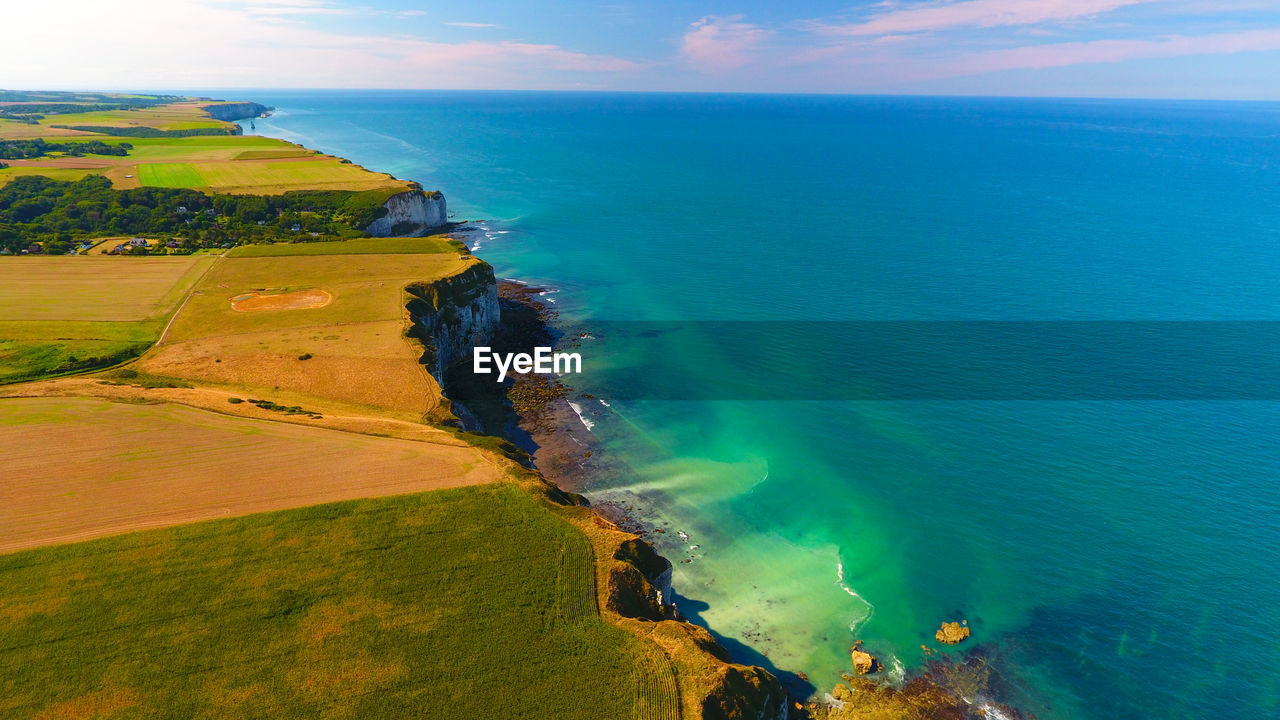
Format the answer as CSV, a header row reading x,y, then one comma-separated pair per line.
x,y
1116,557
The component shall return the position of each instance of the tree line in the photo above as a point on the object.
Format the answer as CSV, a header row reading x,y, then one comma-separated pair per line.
x,y
58,214
26,149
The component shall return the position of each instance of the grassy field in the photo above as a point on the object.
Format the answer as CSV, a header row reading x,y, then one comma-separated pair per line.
x,y
65,174
122,466
63,314
178,116
272,154
175,175
268,177
356,246
225,164
197,149
472,602
94,287
357,348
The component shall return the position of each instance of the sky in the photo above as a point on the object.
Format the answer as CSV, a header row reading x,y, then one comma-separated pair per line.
x,y
1214,49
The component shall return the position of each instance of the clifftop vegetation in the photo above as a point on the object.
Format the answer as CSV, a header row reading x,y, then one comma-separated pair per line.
x,y
24,149
36,209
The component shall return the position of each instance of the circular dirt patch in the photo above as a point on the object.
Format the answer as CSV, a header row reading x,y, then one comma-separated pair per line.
x,y
300,300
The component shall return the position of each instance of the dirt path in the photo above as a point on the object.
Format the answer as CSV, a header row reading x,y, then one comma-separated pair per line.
x,y
186,300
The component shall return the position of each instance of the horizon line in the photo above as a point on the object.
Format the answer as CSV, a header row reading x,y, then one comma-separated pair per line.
x,y
601,91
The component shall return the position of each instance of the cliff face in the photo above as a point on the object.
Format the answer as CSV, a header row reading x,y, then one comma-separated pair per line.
x,y
454,314
713,686
410,213
235,111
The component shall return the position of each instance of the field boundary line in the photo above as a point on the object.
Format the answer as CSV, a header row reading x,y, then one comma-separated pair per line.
x,y
194,286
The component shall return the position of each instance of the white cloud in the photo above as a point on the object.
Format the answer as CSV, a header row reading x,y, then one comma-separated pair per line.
x,y
716,44
471,24
224,43
948,15
1109,51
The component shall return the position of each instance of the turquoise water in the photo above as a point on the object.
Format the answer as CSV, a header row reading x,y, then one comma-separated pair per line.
x,y
1116,556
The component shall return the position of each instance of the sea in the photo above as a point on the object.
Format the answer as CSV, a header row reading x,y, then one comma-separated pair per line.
x,y
875,363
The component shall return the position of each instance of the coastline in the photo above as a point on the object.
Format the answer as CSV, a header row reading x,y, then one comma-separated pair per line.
x,y
566,453
540,418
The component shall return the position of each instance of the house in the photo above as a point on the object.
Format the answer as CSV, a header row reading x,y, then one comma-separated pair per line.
x,y
137,242
182,209
35,249
173,244
5,251
116,250
84,246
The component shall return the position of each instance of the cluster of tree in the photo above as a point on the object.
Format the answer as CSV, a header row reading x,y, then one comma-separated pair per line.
x,y
150,132
58,215
35,109
20,149
28,118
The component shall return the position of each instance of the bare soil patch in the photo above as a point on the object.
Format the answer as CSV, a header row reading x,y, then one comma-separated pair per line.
x,y
298,300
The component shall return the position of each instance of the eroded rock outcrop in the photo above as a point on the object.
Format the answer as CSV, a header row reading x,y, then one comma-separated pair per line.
x,y
743,692
412,212
711,686
951,633
640,585
863,662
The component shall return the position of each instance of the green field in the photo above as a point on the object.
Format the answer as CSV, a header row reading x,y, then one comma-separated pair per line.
x,y
355,246
174,175
70,313
272,154
466,603
65,174
366,288
267,176
218,163
180,116
200,147
289,170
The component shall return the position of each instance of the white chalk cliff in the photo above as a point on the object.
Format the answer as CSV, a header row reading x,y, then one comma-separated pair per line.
x,y
421,210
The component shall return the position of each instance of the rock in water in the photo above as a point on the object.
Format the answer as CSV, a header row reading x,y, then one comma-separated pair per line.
x,y
863,662
952,633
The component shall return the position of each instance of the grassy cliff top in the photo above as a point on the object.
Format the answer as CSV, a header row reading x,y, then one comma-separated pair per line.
x,y
471,602
175,143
